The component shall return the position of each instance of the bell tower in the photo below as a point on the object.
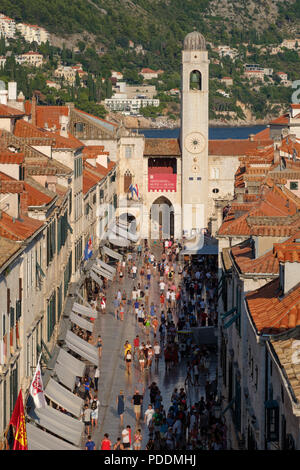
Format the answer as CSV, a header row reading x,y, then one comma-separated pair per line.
x,y
194,132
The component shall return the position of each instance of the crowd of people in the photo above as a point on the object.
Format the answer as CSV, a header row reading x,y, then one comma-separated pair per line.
x,y
186,297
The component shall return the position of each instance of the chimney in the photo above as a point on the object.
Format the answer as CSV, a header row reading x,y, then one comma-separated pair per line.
x,y
23,208
63,121
3,97
251,137
12,91
276,155
288,255
33,111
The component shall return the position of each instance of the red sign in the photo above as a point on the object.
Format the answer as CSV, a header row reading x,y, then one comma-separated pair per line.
x,y
162,182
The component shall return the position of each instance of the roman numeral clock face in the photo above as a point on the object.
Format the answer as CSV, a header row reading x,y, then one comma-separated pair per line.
x,y
195,142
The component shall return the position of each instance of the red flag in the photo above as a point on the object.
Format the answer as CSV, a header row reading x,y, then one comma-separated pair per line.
x,y
18,420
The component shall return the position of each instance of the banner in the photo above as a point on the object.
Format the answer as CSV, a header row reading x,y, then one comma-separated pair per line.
x,y
162,182
18,421
36,388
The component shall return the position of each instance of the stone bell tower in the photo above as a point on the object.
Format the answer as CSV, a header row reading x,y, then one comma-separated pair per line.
x,y
194,133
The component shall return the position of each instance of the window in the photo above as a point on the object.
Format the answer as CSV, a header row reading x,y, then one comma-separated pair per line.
x,y
94,198
215,173
195,80
51,241
51,311
215,190
294,185
272,421
128,151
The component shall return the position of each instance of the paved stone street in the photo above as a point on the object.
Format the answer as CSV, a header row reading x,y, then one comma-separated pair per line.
x,y
114,377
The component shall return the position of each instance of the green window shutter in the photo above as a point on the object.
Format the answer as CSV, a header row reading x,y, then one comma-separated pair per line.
x,y
58,234
12,317
232,320
18,309
230,312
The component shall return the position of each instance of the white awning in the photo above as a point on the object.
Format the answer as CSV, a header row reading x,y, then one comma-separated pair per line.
x,y
41,440
70,362
82,347
111,253
98,270
124,233
65,376
118,241
106,267
64,397
59,423
85,324
96,278
82,299
88,312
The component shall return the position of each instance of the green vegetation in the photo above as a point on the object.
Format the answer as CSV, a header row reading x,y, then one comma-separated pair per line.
x,y
159,26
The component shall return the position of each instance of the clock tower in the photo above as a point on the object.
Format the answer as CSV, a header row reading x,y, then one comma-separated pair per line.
x,y
194,133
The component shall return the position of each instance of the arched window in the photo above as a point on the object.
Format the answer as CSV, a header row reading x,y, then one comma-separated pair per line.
x,y
195,80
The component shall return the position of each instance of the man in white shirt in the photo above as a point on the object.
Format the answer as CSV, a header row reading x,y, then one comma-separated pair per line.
x,y
162,286
148,415
125,438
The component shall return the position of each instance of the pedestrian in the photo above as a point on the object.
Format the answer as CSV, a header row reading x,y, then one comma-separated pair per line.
x,y
106,443
87,388
95,411
142,360
149,358
148,415
136,345
99,346
96,377
156,348
137,401
121,406
128,360
126,438
116,306
118,445
90,445
122,312
137,443
87,418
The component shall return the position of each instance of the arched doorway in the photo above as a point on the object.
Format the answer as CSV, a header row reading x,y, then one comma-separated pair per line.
x,y
161,219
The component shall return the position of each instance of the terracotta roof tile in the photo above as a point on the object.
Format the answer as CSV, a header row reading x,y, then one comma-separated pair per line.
x,y
8,111
284,119
271,313
10,185
287,252
163,147
18,230
7,249
243,256
235,147
11,157
284,347
50,115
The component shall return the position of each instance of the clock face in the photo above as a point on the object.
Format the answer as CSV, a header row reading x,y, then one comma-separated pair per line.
x,y
195,142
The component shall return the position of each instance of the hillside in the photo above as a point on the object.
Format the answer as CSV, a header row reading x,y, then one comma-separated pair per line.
x,y
160,24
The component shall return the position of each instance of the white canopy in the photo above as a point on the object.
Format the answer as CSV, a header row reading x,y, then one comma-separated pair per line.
x,y
106,266
59,423
64,397
98,270
81,322
70,362
96,278
124,233
112,253
118,241
88,312
42,440
82,347
65,376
